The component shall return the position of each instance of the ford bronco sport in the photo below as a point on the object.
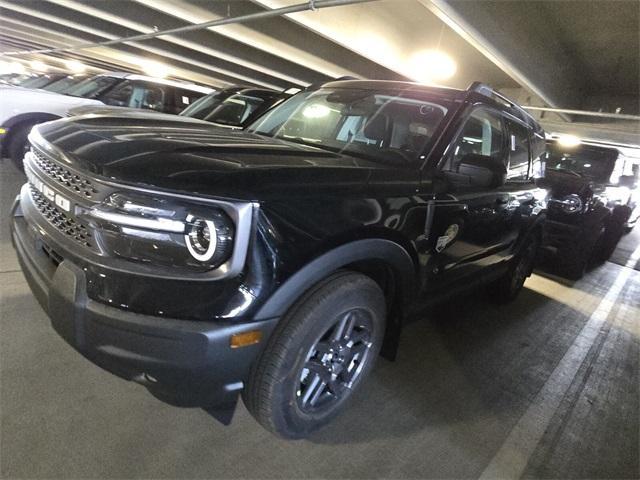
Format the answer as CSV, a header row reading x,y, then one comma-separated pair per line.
x,y
276,262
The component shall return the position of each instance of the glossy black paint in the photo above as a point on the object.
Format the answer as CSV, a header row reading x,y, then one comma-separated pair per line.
x,y
310,206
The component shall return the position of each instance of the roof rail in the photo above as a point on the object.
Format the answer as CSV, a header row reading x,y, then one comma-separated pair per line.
x,y
487,91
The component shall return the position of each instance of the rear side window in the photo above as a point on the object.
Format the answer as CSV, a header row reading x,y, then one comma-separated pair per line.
x,y
518,151
137,95
538,152
150,97
120,95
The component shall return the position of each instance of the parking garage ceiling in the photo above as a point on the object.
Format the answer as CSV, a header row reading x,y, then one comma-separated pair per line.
x,y
566,60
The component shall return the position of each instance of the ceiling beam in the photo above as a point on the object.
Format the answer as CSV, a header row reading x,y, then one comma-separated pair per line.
x,y
83,32
522,54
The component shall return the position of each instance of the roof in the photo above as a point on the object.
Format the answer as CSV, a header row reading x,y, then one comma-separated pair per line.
x,y
389,85
173,83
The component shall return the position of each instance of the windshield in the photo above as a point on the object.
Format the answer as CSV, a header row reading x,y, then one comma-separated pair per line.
x,y
64,84
594,163
203,106
233,111
92,87
389,126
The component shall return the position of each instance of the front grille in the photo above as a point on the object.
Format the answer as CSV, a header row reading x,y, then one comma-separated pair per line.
x,y
61,221
78,184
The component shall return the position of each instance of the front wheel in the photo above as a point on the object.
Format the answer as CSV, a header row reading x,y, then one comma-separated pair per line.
x,y
318,356
18,144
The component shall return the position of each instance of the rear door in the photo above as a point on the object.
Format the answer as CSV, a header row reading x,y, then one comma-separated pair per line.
x,y
521,192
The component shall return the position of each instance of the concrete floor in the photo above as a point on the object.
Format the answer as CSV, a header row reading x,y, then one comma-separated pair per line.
x,y
544,387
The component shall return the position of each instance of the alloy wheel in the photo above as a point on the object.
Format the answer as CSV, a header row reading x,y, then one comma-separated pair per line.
x,y
335,362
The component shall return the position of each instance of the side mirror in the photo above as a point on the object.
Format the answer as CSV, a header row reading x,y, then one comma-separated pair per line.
x,y
480,171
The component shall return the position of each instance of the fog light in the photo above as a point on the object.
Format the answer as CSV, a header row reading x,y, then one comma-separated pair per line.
x,y
245,338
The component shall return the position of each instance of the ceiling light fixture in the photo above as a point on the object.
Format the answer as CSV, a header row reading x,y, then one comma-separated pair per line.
x,y
75,66
155,69
568,141
431,66
38,66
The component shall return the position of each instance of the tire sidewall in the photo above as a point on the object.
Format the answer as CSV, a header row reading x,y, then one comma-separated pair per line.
x,y
16,146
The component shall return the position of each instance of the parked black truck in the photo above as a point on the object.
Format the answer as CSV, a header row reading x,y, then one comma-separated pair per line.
x,y
277,261
590,205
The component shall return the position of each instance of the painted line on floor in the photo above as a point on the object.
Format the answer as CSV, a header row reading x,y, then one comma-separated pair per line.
x,y
633,259
513,456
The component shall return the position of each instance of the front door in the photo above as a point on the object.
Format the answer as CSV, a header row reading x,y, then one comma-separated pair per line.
x,y
470,224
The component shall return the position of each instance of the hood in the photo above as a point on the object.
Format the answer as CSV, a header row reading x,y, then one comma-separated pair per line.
x,y
29,96
561,183
186,155
109,110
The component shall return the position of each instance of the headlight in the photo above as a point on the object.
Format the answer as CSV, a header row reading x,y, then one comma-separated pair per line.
x,y
164,231
571,203
208,240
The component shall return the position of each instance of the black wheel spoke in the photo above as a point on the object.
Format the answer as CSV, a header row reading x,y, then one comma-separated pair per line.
x,y
350,325
311,392
319,370
334,362
317,393
361,336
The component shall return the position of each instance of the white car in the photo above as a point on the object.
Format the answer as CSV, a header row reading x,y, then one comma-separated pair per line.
x,y
22,108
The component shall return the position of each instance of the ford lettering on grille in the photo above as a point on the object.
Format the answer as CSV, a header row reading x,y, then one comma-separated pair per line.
x,y
48,192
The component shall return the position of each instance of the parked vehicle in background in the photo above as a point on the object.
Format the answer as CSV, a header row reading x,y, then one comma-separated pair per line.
x,y
233,107
22,108
42,81
276,260
139,91
590,204
65,83
15,78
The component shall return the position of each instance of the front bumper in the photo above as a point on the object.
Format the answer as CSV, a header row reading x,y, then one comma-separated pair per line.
x,y
559,235
183,362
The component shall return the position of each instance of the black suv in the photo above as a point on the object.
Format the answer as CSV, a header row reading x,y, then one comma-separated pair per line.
x,y
277,261
590,204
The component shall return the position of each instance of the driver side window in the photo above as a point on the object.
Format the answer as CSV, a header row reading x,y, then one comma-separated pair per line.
x,y
482,134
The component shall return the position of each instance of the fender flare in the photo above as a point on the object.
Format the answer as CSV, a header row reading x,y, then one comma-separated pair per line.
x,y
38,117
388,251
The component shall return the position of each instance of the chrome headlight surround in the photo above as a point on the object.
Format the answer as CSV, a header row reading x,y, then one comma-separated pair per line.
x,y
169,223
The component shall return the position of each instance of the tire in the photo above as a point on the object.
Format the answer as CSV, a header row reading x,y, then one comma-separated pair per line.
x,y
18,144
507,288
291,390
